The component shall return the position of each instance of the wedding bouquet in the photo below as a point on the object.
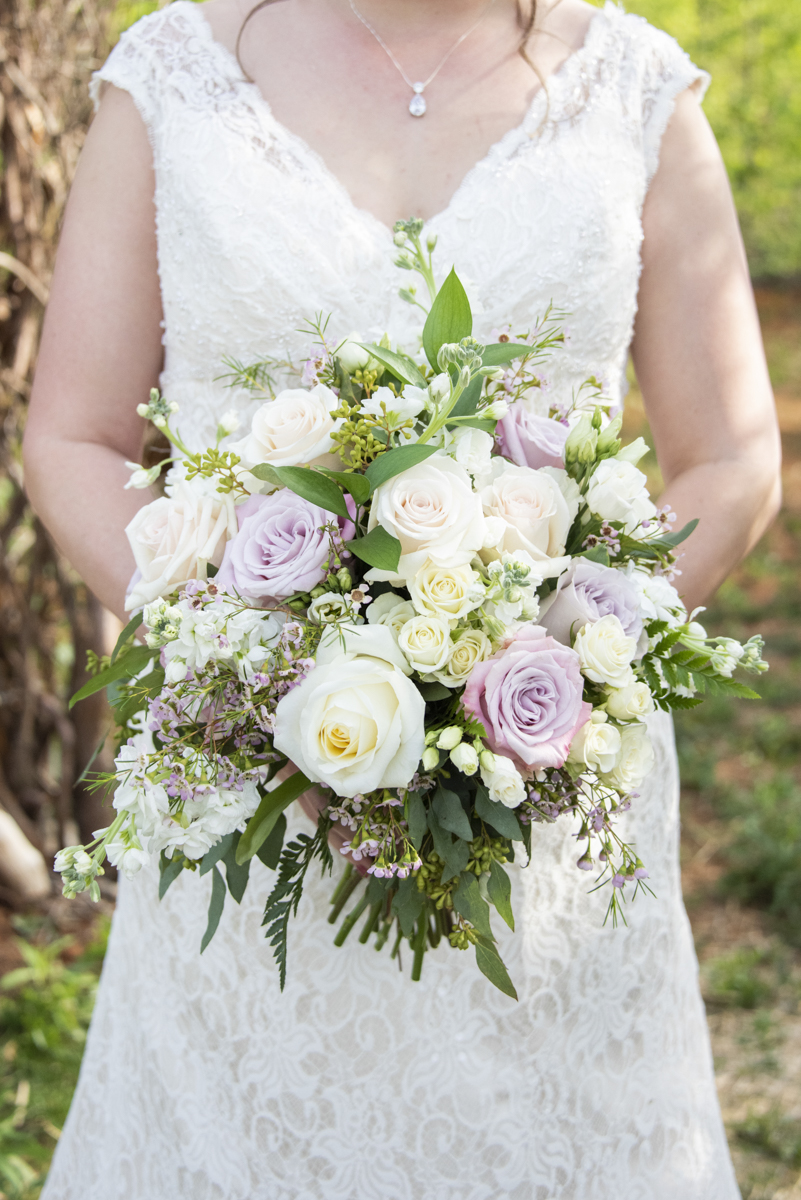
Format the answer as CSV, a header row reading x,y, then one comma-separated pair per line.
x,y
422,585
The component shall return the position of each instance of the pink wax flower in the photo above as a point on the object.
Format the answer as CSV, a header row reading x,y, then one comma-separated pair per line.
x,y
528,697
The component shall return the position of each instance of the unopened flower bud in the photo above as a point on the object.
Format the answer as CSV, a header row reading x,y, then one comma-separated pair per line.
x,y
345,579
464,758
449,738
496,411
430,758
229,423
582,441
487,761
608,439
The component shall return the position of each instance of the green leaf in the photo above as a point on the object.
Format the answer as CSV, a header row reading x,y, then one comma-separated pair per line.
x,y
236,873
490,963
357,485
314,487
266,472
484,424
129,630
451,815
216,905
455,854
377,548
499,890
266,815
407,904
394,462
170,870
449,320
431,692
217,851
131,664
498,354
270,850
502,819
415,812
467,403
399,364
675,539
469,903
597,554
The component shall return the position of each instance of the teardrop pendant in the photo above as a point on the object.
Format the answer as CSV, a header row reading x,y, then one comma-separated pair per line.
x,y
417,104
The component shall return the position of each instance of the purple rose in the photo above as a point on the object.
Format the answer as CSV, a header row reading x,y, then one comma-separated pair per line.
x,y
528,697
531,441
281,547
586,592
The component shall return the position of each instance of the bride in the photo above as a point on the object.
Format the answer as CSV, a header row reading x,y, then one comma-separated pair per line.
x,y
243,173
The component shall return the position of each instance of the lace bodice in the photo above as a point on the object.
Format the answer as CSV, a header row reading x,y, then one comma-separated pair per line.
x,y
255,235
200,1080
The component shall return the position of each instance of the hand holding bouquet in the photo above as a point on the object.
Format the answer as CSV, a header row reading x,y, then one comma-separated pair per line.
x,y
423,585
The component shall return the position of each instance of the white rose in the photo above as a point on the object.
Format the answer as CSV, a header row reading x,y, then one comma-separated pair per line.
x,y
473,646
596,745
635,760
472,448
630,703
464,758
391,610
356,722
346,642
527,511
446,592
293,428
410,402
605,652
504,782
175,538
426,642
618,492
434,513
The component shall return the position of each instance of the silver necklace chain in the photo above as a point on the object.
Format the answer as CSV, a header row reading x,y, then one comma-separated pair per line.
x,y
417,104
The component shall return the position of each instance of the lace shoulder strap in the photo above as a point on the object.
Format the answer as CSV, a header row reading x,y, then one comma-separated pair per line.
x,y
654,70
165,56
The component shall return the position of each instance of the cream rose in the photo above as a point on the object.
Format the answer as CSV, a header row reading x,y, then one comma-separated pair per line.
x,y
504,782
618,492
446,592
596,745
175,538
390,610
426,642
293,428
527,510
433,512
635,760
630,703
356,722
473,646
605,653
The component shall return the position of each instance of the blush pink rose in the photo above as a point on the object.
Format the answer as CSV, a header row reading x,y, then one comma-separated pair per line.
x,y
529,699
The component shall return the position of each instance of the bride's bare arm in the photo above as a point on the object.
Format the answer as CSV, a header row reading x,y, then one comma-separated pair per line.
x,y
100,354
699,359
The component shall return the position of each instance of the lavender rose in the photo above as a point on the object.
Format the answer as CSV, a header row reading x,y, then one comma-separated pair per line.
x,y
281,547
585,593
529,699
529,440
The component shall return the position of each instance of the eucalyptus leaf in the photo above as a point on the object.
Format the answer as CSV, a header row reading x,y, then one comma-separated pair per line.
x,y
451,815
170,869
597,554
129,630
490,963
216,905
394,462
236,873
377,548
470,904
501,818
314,487
499,890
454,853
407,904
266,815
270,850
217,851
431,692
415,812
449,320
399,364
266,472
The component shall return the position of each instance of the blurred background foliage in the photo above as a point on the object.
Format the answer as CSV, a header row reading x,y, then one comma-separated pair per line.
x,y
741,802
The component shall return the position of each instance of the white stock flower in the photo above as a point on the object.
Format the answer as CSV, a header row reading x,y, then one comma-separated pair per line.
x,y
356,722
596,745
605,653
659,600
446,592
472,646
630,703
294,428
471,448
618,492
434,513
426,642
726,654
504,782
527,510
142,477
223,632
174,538
410,403
391,610
635,760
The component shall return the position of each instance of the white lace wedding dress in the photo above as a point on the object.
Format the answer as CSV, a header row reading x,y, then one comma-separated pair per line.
x,y
201,1080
